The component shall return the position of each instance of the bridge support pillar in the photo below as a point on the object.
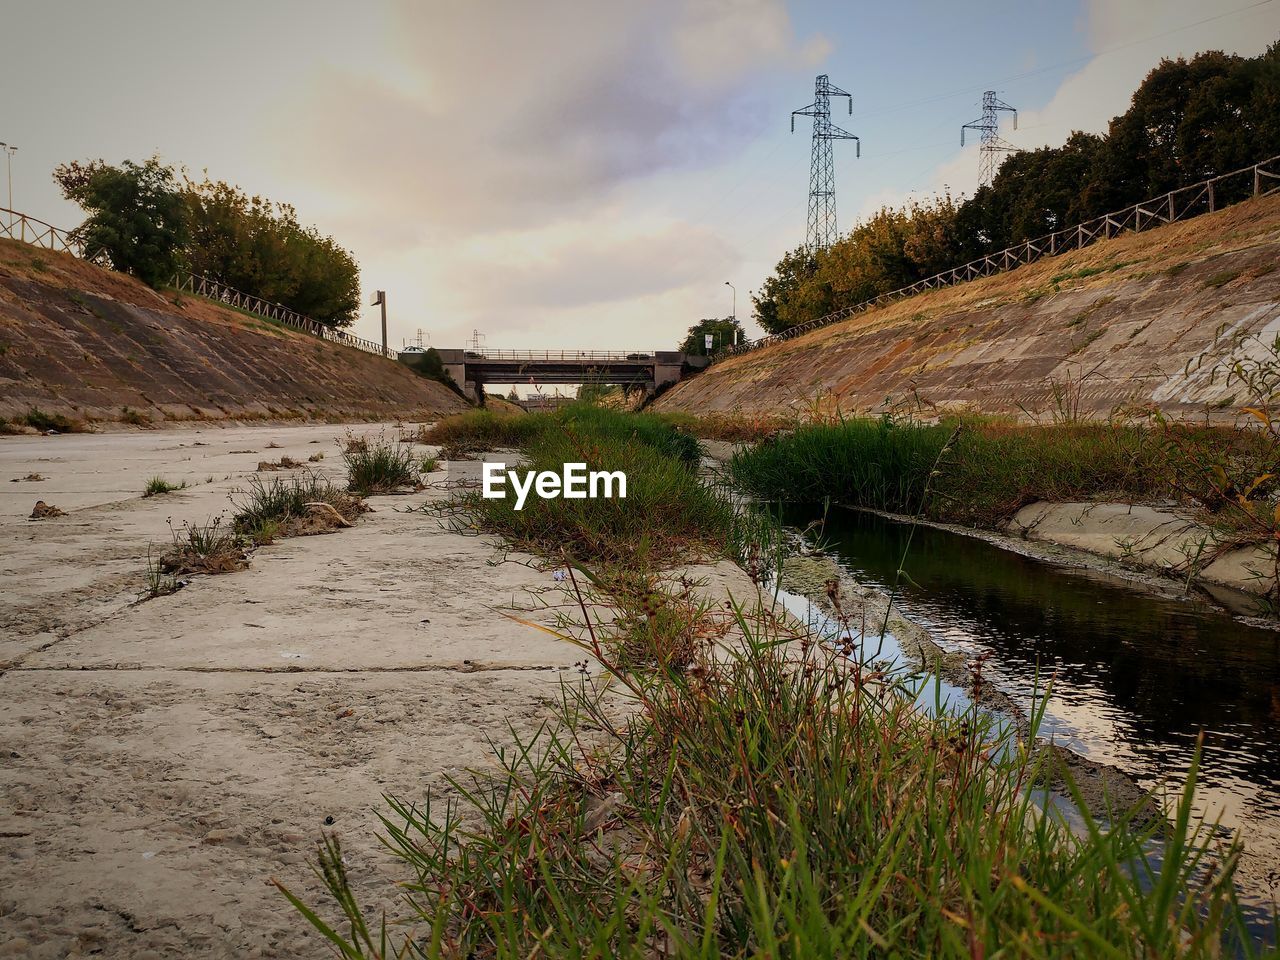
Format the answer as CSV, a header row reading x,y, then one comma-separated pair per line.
x,y
668,366
455,365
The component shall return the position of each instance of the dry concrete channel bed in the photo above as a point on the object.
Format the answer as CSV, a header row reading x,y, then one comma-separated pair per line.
x,y
160,762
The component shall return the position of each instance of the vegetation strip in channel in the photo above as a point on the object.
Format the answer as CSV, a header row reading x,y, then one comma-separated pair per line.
x,y
736,784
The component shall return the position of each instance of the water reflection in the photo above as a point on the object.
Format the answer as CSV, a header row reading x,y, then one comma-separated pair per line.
x,y
1137,677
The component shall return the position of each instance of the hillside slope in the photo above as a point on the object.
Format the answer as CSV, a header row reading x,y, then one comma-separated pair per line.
x,y
87,343
1113,325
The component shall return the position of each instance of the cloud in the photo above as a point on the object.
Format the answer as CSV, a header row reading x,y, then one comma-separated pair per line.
x,y
1128,39
499,114
586,264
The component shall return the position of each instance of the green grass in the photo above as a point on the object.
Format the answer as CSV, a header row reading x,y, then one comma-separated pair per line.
x,y
379,465
986,472
667,514
272,508
776,800
158,485
478,430
746,787
35,417
157,582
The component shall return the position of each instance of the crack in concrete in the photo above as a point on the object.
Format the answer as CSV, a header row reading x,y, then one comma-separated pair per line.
x,y
415,668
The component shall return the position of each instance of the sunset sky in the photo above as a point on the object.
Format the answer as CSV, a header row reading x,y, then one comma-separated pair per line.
x,y
568,174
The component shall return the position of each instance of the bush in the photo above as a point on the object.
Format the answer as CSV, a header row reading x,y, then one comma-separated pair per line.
x,y
136,215
260,247
49,421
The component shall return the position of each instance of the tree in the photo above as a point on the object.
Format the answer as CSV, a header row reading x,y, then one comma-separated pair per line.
x,y
724,333
258,246
136,215
774,302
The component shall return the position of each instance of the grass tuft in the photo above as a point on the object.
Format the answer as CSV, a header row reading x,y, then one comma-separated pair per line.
x,y
380,465
158,485
283,508
204,548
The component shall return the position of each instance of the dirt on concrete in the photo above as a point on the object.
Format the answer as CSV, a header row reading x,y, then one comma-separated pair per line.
x,y
164,761
1142,320
98,347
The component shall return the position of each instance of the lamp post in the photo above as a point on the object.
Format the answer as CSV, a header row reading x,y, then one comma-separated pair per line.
x,y
735,298
380,299
9,151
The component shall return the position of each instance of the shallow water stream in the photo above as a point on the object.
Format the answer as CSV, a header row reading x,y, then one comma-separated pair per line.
x,y
1136,677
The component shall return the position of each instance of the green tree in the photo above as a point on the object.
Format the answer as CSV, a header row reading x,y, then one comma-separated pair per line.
x,y
724,333
136,215
260,247
775,302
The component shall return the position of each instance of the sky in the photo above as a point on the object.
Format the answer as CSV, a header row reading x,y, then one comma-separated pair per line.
x,y
574,174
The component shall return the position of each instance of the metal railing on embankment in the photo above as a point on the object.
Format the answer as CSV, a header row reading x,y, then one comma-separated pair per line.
x,y
231,297
19,226
1181,204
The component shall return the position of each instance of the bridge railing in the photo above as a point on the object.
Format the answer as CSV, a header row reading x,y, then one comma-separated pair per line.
x,y
1181,204
616,355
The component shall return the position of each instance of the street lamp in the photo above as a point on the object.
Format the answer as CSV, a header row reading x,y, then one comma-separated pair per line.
x,y
9,151
735,310
380,300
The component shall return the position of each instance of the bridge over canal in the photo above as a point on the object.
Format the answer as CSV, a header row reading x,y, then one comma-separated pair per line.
x,y
649,370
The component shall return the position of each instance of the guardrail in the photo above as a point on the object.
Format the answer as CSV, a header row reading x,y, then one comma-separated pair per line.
x,y
1181,204
214,290
484,354
19,226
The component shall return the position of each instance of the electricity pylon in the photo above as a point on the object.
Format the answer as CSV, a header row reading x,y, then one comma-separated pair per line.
x,y
822,175
989,128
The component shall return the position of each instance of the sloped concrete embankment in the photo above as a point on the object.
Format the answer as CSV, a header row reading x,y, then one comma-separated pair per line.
x,y
1151,538
1141,320
87,343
